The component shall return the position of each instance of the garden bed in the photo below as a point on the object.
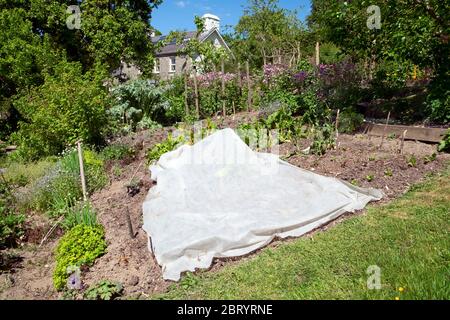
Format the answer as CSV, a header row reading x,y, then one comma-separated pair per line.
x,y
358,160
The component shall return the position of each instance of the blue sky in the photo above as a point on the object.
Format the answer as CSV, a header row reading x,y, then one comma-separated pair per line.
x,y
179,14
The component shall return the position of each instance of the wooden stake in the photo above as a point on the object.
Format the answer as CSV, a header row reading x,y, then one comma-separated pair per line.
x,y
337,128
385,129
224,106
83,179
130,225
249,86
197,106
403,141
186,94
234,108
317,53
239,76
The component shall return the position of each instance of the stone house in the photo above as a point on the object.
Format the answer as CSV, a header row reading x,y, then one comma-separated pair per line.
x,y
170,62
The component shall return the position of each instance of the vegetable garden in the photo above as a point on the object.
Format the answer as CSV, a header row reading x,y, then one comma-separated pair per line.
x,y
315,86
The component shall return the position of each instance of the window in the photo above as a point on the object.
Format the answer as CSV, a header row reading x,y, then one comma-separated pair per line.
x,y
157,67
173,64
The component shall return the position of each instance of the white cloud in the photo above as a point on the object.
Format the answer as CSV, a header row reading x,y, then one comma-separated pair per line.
x,y
181,4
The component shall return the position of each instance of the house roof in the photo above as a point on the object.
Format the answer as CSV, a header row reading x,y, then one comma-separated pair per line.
x,y
173,47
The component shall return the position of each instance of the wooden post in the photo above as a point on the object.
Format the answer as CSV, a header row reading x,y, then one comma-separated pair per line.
x,y
239,76
317,53
385,129
224,106
186,93
234,108
197,106
403,141
130,225
249,86
337,128
83,179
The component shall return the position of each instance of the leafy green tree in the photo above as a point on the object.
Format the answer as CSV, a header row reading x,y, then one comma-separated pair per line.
x,y
69,105
266,31
415,31
35,37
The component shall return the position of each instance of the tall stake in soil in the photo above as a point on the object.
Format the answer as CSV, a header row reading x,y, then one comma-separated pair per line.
x,y
337,128
385,129
224,107
130,225
197,106
186,93
83,179
403,141
249,86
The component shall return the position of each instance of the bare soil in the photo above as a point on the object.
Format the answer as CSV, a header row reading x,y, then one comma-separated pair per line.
x,y
358,160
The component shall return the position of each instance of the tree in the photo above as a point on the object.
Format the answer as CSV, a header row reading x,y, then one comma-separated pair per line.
x,y
266,32
411,30
35,37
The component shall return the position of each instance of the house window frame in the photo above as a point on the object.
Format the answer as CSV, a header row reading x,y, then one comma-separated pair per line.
x,y
173,64
157,66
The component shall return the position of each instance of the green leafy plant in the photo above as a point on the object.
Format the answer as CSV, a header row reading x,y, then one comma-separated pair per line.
x,y
391,136
69,106
430,158
104,290
444,145
412,161
81,214
79,246
117,152
323,139
168,145
350,121
134,100
370,177
388,172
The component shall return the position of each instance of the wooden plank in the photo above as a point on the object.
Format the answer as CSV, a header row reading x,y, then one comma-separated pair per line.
x,y
414,133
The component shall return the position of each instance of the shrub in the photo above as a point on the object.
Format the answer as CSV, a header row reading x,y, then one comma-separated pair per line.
x,y
168,145
138,98
117,152
147,123
104,290
79,246
60,189
350,121
11,223
438,100
69,106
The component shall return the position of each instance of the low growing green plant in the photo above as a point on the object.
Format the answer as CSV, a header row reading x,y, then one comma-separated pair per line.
x,y
117,152
388,172
444,145
104,290
82,214
11,223
79,246
430,158
350,121
412,161
168,145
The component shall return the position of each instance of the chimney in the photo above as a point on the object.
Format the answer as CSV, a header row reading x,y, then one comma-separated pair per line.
x,y
211,22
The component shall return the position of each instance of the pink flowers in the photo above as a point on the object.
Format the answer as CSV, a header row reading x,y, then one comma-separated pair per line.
x,y
210,78
272,71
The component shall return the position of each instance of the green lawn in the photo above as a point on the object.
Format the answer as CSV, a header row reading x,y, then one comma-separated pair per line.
x,y
408,239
